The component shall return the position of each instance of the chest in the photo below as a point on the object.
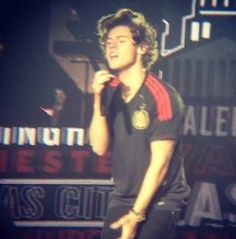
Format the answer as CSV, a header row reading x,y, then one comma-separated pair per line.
x,y
132,119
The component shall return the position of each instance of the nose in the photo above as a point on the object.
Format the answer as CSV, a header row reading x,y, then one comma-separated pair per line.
x,y
112,44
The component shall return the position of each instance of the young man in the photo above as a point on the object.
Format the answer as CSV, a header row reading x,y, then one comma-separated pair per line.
x,y
141,129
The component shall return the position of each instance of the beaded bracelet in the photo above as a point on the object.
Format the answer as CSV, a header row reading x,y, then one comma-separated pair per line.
x,y
139,216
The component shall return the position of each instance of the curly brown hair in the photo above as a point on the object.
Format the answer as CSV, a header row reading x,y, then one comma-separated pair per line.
x,y
142,32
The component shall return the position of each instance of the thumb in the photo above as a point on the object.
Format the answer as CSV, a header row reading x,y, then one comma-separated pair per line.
x,y
117,224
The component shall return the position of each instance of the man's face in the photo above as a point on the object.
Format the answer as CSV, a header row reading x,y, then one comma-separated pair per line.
x,y
121,50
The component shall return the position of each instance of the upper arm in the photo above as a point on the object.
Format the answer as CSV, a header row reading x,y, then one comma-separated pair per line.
x,y
169,128
161,153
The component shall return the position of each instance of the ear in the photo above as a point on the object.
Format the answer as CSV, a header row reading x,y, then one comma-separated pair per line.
x,y
142,49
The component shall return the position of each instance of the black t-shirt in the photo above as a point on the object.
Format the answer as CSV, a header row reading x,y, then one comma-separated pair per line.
x,y
154,113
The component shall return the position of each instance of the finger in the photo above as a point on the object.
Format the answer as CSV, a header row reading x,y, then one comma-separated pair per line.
x,y
104,79
104,73
126,237
117,224
127,233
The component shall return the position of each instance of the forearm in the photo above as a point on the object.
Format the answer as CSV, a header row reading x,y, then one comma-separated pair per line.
x,y
151,183
98,132
159,163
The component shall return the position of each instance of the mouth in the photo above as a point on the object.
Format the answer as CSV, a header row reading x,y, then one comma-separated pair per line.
x,y
113,56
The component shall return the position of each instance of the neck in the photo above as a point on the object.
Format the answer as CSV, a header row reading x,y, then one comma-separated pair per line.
x,y
131,81
132,76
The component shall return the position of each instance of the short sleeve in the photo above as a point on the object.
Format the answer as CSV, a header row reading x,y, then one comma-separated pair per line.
x,y
171,126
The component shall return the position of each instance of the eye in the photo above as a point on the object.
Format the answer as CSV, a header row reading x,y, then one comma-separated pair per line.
x,y
108,43
122,40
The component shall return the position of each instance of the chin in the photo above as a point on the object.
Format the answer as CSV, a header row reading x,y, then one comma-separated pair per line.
x,y
116,67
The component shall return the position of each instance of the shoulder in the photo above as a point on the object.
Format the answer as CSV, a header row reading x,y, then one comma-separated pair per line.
x,y
166,98
159,88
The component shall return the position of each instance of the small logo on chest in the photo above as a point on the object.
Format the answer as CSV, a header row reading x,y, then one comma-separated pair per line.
x,y
140,119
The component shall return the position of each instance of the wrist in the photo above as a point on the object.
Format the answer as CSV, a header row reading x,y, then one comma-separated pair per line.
x,y
97,102
137,216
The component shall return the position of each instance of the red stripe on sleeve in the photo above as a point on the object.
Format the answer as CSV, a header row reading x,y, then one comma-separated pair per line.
x,y
162,98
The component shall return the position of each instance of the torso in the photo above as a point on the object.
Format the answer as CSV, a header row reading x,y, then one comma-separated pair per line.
x,y
133,123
